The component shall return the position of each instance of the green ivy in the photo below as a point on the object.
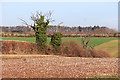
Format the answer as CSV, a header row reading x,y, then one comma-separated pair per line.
x,y
56,40
40,32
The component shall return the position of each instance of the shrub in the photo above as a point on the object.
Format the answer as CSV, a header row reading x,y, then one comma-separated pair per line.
x,y
22,47
67,36
72,48
12,35
49,49
16,35
19,47
30,35
56,40
97,53
8,35
3,34
76,36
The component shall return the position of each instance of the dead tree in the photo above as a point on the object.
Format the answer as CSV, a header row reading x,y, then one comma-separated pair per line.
x,y
85,43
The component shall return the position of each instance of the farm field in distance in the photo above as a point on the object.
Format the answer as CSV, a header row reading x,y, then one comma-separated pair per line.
x,y
93,41
110,47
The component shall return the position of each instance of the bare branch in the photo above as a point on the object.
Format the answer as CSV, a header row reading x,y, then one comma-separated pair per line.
x,y
87,43
40,13
49,15
33,17
37,15
60,23
24,22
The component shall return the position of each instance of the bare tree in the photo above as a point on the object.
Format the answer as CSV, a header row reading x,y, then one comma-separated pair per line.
x,y
85,43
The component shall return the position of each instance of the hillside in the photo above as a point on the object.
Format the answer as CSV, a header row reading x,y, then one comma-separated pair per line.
x,y
110,47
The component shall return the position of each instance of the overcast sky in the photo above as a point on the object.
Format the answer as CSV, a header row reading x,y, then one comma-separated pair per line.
x,y
70,13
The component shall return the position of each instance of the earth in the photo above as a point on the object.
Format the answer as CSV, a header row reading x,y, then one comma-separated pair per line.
x,y
57,67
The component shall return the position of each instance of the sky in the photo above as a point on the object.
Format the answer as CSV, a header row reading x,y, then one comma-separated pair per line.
x,y
70,13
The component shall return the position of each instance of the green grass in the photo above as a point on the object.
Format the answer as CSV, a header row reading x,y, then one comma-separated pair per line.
x,y
112,77
93,41
111,47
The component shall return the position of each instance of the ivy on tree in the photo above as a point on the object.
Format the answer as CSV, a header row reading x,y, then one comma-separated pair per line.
x,y
40,27
56,38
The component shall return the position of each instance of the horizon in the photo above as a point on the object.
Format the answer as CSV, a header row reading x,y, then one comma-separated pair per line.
x,y
71,14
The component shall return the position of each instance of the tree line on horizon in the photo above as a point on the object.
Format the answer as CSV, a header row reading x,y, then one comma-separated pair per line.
x,y
64,29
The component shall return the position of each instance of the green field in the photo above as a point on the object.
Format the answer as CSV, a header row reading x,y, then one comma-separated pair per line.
x,y
111,47
93,41
105,77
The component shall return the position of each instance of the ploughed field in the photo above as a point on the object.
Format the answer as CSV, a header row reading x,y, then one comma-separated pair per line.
x,y
93,41
44,66
52,66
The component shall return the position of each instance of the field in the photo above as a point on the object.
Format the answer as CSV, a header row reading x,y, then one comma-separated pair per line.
x,y
93,41
53,66
57,67
110,47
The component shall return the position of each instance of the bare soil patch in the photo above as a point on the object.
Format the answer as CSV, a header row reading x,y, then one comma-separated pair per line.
x,y
57,67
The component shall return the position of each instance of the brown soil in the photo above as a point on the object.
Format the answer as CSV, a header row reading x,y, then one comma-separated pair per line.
x,y
57,67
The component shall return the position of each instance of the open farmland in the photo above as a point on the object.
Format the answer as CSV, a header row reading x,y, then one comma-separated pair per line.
x,y
111,47
57,67
52,66
93,41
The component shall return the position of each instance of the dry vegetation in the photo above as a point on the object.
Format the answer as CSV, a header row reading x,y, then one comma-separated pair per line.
x,y
68,48
18,47
73,49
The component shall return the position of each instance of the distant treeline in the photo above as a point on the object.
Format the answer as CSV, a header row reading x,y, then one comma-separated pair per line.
x,y
64,35
95,31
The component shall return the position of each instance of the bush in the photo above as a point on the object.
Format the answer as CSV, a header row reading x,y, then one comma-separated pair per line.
x,y
72,48
97,53
67,36
49,49
16,35
8,35
18,47
20,35
12,35
30,35
76,36
56,40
